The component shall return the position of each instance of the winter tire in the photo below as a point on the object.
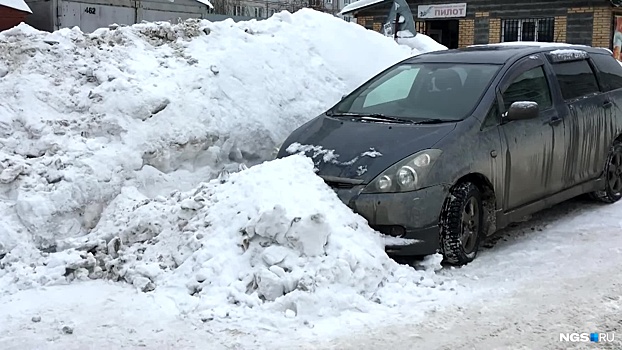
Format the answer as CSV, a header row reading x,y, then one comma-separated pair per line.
x,y
612,176
461,223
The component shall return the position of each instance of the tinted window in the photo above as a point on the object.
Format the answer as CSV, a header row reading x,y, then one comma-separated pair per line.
x,y
529,86
576,79
447,91
610,71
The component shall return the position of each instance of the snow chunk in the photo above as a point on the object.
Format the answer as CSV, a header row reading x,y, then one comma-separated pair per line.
x,y
568,54
328,156
421,43
524,104
529,43
206,2
359,5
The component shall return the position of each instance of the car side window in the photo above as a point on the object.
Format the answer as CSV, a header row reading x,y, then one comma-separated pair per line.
x,y
610,71
396,88
576,79
529,86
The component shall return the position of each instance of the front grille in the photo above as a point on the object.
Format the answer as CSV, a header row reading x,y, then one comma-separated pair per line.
x,y
339,185
390,230
341,182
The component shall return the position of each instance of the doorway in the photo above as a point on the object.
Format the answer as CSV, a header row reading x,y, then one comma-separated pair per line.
x,y
442,31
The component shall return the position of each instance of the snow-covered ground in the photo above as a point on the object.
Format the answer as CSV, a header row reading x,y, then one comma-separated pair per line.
x,y
138,210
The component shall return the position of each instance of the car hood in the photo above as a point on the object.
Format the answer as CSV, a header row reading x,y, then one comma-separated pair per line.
x,y
360,150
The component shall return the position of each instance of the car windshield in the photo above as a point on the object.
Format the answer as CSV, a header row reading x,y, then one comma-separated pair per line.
x,y
421,91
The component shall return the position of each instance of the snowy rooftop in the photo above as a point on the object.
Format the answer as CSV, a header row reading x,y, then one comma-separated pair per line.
x,y
359,5
16,4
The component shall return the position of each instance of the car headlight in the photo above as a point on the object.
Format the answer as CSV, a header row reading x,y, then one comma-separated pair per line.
x,y
404,175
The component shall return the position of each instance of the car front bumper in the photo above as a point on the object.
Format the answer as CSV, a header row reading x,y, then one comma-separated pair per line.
x,y
410,215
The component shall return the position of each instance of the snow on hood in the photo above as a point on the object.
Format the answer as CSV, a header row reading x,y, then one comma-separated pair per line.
x,y
104,138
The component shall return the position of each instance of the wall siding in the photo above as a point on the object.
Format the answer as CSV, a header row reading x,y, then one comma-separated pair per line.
x,y
10,17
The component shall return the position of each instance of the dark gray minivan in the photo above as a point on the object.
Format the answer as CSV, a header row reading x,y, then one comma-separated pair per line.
x,y
447,147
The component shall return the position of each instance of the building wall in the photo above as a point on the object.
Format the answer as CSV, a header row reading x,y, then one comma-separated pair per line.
x,y
42,16
10,17
575,21
92,14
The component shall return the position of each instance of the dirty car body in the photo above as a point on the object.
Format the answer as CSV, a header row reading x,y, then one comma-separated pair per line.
x,y
448,147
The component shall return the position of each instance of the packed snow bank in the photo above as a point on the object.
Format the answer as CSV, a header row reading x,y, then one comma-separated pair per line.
x,y
97,131
159,107
230,243
237,248
419,42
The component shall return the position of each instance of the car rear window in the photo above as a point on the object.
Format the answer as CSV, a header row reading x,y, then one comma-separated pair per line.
x,y
610,71
576,79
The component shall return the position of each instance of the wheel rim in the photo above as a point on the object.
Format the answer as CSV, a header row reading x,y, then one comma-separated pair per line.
x,y
614,175
470,225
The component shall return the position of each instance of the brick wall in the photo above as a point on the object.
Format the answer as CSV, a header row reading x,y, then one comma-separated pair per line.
x,y
466,32
365,21
494,31
560,29
603,21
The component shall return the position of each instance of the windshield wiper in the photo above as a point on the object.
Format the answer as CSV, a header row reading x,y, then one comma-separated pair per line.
x,y
432,121
372,116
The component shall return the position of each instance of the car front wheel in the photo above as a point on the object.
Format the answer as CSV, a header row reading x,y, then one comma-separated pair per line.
x,y
461,223
612,176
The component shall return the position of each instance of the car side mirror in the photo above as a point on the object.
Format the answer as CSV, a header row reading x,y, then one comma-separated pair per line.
x,y
522,110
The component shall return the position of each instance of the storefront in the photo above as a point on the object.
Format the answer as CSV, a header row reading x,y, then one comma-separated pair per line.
x,y
487,21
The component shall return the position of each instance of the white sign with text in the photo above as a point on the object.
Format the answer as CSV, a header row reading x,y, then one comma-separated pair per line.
x,y
442,10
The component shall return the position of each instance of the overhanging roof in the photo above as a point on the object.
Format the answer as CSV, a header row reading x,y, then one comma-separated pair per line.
x,y
360,5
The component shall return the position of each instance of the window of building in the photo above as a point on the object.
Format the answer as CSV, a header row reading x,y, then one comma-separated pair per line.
x,y
238,10
258,12
536,29
529,86
328,2
610,71
576,79
347,18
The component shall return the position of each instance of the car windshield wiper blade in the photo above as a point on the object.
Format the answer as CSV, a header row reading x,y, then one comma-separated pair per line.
x,y
374,116
432,121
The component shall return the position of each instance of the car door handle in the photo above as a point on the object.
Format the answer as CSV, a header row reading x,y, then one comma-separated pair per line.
x,y
607,104
555,121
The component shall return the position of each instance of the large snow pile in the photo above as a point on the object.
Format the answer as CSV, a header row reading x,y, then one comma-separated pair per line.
x,y
102,135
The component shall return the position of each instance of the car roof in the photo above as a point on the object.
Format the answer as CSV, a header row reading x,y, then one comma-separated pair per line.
x,y
497,53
